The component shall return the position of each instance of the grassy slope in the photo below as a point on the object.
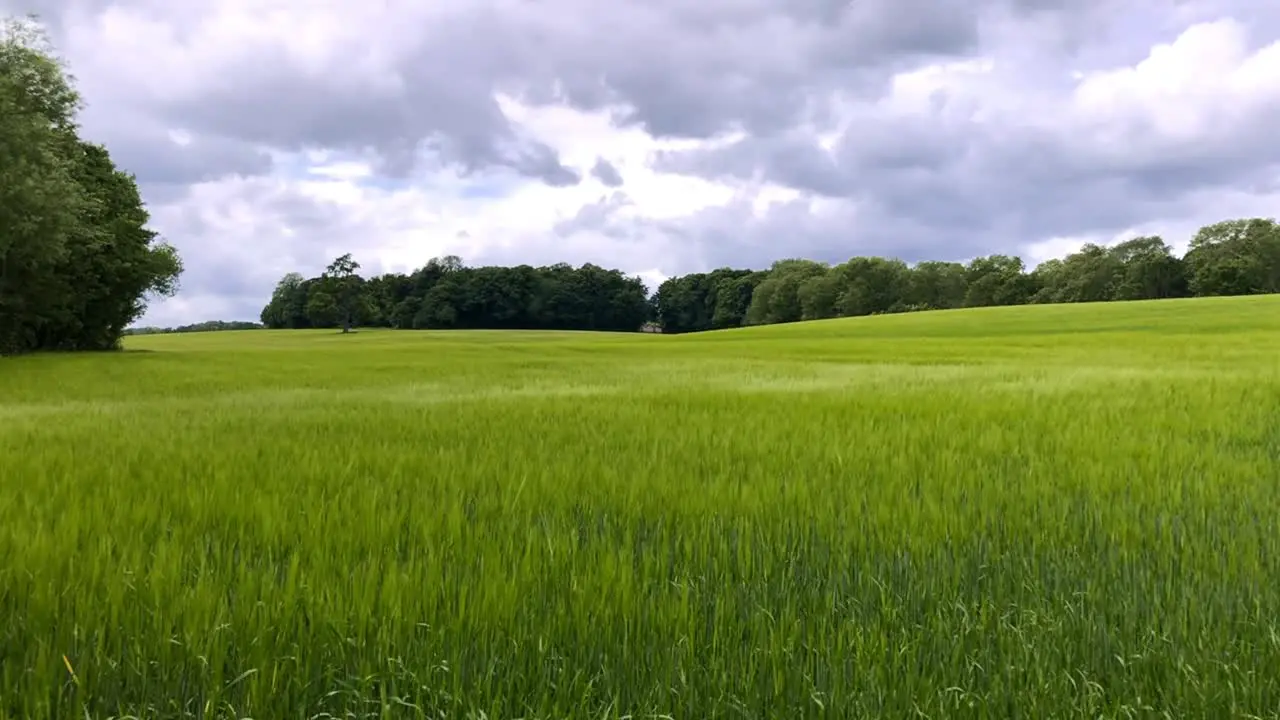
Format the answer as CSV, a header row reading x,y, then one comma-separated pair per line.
x,y
1062,511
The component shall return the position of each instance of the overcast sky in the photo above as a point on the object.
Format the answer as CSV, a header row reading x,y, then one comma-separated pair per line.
x,y
668,136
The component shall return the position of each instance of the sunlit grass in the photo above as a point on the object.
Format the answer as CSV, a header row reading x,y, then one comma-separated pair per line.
x,y
1048,512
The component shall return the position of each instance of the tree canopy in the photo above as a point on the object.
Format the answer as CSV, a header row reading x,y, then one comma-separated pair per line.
x,y
1236,257
445,294
200,327
76,257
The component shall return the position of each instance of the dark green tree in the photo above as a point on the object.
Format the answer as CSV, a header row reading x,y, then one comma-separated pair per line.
x,y
870,285
346,289
777,298
1149,270
322,310
288,305
77,261
732,295
1235,257
933,285
997,280
1092,274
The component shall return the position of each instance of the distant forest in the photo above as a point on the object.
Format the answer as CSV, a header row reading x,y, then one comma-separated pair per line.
x,y
207,326
1234,257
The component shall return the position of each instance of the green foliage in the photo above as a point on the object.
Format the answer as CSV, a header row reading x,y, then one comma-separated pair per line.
x,y
1143,268
76,258
288,305
322,309
346,290
996,280
778,297
1235,257
937,285
1148,270
705,301
207,326
446,294
1039,512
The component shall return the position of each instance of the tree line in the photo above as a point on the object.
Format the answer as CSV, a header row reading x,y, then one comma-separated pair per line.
x,y
1234,257
77,260
445,294
206,326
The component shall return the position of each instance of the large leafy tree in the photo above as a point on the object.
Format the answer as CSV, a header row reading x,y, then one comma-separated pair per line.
x,y
76,258
39,196
1090,275
113,261
1149,270
997,280
1235,257
346,289
287,308
933,285
777,299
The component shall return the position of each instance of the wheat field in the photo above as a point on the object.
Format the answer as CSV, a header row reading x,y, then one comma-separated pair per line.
x,y
1032,512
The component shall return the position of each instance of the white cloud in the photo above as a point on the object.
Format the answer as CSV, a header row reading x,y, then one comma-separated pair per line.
x,y
1200,86
399,228
580,138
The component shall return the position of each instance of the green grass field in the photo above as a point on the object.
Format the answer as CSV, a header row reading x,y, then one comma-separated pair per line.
x,y
1033,512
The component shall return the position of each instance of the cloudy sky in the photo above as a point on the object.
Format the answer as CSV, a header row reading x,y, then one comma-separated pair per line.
x,y
668,136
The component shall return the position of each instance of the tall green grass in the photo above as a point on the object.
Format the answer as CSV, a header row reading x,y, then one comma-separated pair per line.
x,y
1049,512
